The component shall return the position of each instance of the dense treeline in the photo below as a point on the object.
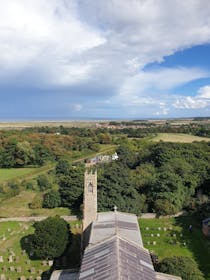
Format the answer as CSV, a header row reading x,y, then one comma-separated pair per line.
x,y
24,148
162,177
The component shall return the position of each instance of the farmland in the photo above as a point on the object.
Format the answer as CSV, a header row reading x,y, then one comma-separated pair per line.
x,y
178,138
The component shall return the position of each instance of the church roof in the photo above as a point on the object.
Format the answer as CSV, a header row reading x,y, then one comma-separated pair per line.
x,y
108,224
116,258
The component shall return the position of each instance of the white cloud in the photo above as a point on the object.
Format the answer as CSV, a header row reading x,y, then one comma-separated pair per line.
x,y
190,103
204,92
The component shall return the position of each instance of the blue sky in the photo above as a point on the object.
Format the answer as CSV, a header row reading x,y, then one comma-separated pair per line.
x,y
127,59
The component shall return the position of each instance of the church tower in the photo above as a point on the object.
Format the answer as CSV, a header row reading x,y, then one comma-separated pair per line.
x,y
90,198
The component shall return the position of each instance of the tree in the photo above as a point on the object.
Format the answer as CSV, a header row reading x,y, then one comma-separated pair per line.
x,y
181,266
71,187
50,238
44,182
51,199
62,167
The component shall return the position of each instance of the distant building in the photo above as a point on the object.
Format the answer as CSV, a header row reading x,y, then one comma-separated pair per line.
x,y
112,243
206,227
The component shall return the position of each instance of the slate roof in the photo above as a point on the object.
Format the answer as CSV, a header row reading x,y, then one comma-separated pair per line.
x,y
116,258
109,224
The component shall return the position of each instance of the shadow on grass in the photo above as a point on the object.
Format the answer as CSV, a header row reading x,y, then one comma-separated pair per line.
x,y
197,243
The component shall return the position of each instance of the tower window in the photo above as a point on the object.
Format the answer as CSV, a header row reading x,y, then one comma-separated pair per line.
x,y
90,187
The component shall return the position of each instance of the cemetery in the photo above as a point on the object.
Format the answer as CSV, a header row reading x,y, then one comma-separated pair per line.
x,y
15,264
169,237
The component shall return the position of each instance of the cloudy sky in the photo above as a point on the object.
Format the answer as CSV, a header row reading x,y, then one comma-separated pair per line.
x,y
72,59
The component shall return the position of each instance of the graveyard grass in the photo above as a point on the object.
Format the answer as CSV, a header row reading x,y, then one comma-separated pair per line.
x,y
177,240
18,206
14,233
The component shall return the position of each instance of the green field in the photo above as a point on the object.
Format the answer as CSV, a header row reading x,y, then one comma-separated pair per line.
x,y
178,137
18,206
13,240
171,237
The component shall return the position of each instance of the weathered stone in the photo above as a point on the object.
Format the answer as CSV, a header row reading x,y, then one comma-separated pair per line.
x,y
17,259
154,242
22,277
1,259
38,278
32,270
12,269
10,259
44,263
2,277
19,269
50,263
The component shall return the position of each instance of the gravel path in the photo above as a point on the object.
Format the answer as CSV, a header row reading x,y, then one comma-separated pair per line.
x,y
35,219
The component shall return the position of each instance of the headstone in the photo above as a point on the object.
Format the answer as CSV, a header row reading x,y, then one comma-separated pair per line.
x,y
152,234
8,229
17,259
32,270
12,269
50,263
154,242
40,271
4,268
147,228
1,259
158,234
23,252
38,278
148,243
19,269
181,234
184,243
165,229
174,235
31,253
44,263
159,228
31,278
10,259
3,238
2,277
22,277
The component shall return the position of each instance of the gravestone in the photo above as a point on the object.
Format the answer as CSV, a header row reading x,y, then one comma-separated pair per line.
x,y
50,263
10,259
32,270
154,242
38,278
4,268
1,259
17,259
22,277
3,238
31,278
40,271
23,252
19,269
2,277
12,269
44,263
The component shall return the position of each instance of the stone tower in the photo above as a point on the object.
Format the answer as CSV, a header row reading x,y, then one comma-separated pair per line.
x,y
90,198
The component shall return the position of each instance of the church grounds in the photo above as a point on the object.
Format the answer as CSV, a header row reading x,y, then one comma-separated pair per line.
x,y
14,260
172,237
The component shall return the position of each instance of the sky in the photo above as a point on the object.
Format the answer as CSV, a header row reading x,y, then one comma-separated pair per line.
x,y
107,59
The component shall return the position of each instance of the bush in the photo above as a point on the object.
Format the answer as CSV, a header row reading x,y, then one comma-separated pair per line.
x,y
164,207
51,200
36,203
181,266
44,182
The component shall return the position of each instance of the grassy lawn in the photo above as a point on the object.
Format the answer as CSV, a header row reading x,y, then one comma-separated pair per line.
x,y
18,206
13,173
178,137
171,237
12,234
